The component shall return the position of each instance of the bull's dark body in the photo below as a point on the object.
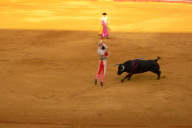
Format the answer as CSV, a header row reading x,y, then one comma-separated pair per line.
x,y
139,66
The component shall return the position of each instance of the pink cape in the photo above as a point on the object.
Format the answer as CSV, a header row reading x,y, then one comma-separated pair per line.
x,y
104,29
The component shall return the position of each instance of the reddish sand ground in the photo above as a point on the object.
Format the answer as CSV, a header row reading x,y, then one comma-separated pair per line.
x,y
48,63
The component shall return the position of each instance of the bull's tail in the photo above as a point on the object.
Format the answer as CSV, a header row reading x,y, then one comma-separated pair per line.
x,y
157,59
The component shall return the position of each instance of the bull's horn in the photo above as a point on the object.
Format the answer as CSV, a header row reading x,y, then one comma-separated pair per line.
x,y
123,68
116,64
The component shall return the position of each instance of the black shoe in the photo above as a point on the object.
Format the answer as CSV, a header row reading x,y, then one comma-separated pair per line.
x,y
101,84
95,81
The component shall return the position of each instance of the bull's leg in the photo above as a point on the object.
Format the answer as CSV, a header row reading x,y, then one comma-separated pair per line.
x,y
134,67
128,77
125,78
156,70
158,74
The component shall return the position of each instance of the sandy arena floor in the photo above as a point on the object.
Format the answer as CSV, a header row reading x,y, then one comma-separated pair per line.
x,y
48,63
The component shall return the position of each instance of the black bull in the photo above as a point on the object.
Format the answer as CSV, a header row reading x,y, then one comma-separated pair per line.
x,y
139,66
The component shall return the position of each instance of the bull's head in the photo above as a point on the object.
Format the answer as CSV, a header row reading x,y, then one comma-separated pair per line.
x,y
121,69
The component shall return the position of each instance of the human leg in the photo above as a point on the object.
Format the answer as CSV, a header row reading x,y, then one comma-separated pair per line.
x,y
100,69
104,71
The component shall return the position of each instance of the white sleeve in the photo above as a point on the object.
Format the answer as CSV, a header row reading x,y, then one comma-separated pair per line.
x,y
106,47
100,43
100,52
108,21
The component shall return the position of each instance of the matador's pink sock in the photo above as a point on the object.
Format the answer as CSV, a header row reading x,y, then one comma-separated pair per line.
x,y
97,75
103,77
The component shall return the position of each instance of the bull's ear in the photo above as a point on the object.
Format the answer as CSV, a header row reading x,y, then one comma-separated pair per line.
x,y
116,64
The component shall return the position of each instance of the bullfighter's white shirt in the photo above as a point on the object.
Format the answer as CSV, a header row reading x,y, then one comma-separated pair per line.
x,y
105,18
102,52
